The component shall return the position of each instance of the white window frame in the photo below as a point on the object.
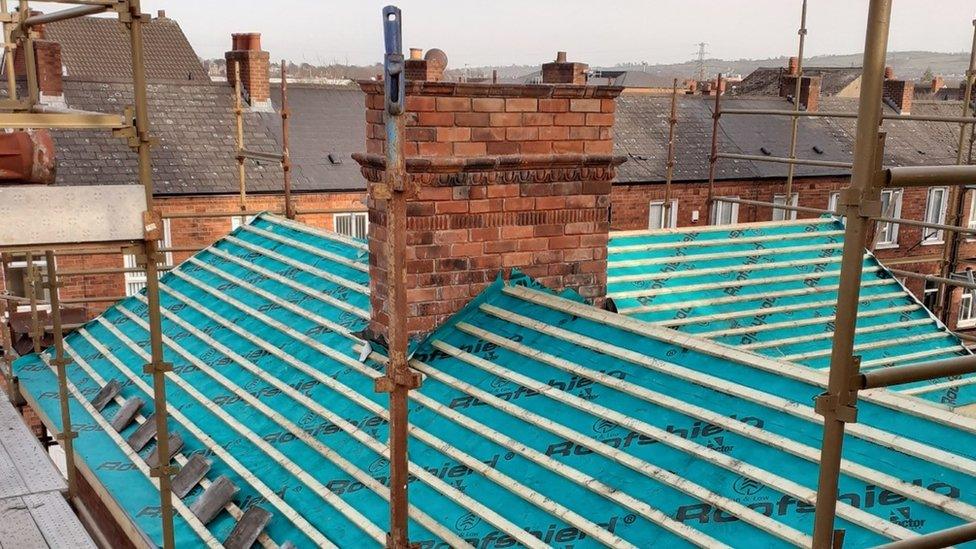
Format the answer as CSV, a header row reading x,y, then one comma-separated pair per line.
x,y
833,204
887,233
967,314
672,215
239,220
353,218
136,281
780,214
929,290
932,236
718,206
40,263
971,224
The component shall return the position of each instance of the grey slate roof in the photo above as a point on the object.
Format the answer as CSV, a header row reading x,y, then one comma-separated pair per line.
x,y
765,80
195,126
97,48
325,120
641,133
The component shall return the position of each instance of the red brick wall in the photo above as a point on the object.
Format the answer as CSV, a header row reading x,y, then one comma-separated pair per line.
x,y
507,177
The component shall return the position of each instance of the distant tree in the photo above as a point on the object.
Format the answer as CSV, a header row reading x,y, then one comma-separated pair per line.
x,y
927,76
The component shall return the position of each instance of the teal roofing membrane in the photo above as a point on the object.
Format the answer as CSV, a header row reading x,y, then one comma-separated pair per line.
x,y
772,288
542,421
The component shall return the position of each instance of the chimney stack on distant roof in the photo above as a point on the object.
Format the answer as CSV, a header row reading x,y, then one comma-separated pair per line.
x,y
889,72
504,176
161,14
937,84
253,64
898,94
47,57
561,71
429,67
793,66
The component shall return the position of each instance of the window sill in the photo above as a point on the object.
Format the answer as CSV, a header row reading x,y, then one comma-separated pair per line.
x,y
887,246
933,243
966,324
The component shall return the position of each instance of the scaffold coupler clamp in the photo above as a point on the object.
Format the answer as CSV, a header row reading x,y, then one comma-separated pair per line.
x,y
864,203
842,407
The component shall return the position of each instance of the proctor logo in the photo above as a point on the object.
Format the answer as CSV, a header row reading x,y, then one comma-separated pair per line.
x,y
870,497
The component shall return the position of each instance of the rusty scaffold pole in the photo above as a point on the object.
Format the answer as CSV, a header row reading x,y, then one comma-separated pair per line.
x,y
795,122
957,196
36,332
672,133
861,201
153,223
713,156
67,434
285,155
399,379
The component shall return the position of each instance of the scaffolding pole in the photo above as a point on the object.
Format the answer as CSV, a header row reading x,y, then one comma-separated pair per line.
x,y
67,435
713,156
838,405
239,135
795,121
957,196
285,154
672,133
158,367
35,332
399,379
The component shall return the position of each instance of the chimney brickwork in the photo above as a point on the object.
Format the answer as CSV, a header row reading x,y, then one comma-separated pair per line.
x,y
810,88
502,177
254,69
561,71
47,56
898,93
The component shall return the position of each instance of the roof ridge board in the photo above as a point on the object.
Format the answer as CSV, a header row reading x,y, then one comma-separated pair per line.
x,y
666,400
916,407
433,482
198,528
708,455
327,452
196,431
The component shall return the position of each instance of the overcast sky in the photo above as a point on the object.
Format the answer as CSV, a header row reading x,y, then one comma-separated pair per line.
x,y
602,32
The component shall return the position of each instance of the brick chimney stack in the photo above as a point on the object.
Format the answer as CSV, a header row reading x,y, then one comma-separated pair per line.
x,y
561,71
937,84
254,69
428,67
47,56
505,177
793,66
898,94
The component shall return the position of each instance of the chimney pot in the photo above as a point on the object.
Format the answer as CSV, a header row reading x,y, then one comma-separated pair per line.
x,y
416,53
889,72
161,14
793,66
560,57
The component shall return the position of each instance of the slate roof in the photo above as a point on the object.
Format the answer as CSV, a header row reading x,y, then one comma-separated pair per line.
x,y
542,421
772,288
641,133
195,125
326,120
765,80
97,48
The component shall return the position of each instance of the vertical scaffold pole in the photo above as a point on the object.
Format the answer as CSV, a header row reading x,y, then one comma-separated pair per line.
x,y
5,339
153,232
285,155
35,330
399,380
713,156
795,122
957,194
30,63
672,133
239,121
67,435
861,201
8,55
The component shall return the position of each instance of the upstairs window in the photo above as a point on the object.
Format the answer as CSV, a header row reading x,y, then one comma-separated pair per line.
x,y
780,200
935,212
656,218
354,224
887,233
136,281
725,213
